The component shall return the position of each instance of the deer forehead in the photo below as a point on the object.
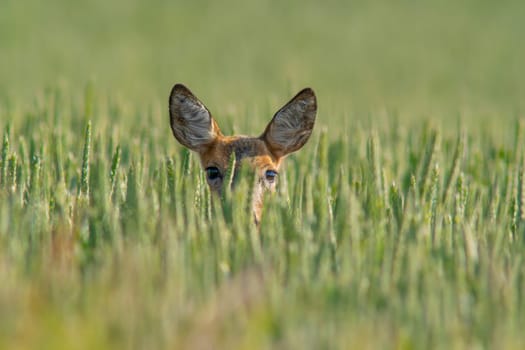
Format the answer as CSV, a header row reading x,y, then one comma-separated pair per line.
x,y
252,150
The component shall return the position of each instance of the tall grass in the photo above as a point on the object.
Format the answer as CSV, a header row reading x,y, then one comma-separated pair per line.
x,y
401,224
110,237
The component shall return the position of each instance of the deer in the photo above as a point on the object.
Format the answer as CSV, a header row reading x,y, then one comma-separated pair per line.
x,y
194,127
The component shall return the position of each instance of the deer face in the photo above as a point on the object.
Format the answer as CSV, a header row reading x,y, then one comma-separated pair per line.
x,y
194,127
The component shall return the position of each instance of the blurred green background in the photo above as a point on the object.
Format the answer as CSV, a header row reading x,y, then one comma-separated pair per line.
x,y
98,258
418,58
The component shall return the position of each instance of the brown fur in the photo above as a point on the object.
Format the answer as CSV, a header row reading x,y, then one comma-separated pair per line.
x,y
290,128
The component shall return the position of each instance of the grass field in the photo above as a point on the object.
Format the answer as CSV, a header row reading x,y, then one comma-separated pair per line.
x,y
400,225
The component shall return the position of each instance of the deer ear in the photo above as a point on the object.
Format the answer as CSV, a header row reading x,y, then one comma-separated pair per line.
x,y
292,125
191,122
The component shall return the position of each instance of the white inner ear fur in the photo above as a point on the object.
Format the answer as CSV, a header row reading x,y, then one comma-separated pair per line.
x,y
191,122
293,124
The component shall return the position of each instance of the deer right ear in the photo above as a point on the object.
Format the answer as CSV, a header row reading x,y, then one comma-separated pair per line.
x,y
191,122
292,125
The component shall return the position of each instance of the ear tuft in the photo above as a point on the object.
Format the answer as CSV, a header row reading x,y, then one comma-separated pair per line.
x,y
191,122
292,125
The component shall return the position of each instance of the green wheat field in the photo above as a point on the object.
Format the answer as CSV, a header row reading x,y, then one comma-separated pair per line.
x,y
400,225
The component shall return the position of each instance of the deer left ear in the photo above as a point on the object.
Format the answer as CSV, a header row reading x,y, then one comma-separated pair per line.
x,y
191,122
292,125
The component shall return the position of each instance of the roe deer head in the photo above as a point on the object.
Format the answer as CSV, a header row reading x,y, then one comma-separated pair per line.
x,y
194,127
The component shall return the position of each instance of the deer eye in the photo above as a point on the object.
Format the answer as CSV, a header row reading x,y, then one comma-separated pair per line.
x,y
213,173
270,175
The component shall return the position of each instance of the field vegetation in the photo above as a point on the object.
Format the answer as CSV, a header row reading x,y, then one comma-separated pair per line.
x,y
401,224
